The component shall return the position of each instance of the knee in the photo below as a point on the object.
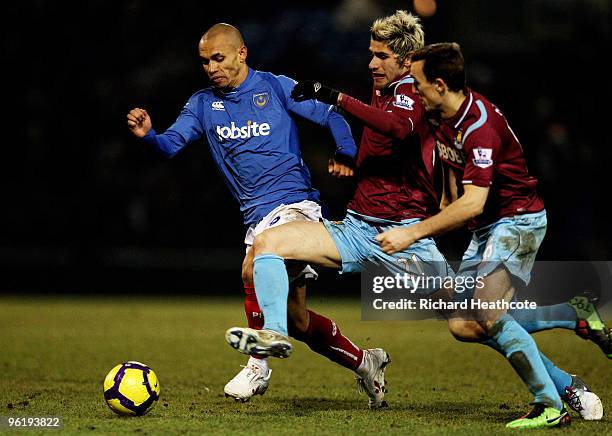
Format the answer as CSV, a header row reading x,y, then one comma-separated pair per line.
x,y
267,243
466,330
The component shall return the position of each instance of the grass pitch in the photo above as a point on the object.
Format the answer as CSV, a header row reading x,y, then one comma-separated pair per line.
x,y
55,352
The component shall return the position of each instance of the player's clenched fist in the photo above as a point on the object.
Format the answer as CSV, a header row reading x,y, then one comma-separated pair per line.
x,y
396,239
139,122
339,169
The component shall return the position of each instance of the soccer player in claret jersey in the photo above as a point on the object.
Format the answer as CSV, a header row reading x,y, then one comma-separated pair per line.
x,y
394,191
488,186
247,117
394,188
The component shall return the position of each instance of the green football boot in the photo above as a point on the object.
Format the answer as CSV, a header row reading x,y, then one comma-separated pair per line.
x,y
589,324
542,416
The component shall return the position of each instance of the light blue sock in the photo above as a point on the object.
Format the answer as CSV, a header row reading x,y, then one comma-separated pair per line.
x,y
546,317
560,378
272,289
522,352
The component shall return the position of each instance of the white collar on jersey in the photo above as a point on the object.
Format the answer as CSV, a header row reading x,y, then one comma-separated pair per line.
x,y
467,108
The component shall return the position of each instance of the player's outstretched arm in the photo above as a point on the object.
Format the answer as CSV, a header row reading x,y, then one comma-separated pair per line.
x,y
139,122
187,128
455,215
391,123
312,90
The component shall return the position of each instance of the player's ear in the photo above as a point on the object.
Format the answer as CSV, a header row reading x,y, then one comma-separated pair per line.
x,y
242,54
406,64
440,86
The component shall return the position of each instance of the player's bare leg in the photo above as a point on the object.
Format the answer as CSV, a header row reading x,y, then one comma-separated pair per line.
x,y
461,323
321,334
311,243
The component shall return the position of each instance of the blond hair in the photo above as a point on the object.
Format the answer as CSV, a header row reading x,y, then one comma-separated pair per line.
x,y
402,32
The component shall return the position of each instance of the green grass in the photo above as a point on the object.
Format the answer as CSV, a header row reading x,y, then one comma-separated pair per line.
x,y
54,354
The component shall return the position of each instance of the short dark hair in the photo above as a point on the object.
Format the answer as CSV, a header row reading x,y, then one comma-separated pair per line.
x,y
443,60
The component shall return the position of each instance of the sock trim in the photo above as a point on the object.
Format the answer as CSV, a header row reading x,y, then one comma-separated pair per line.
x,y
267,256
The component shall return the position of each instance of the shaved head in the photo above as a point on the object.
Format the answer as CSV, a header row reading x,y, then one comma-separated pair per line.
x,y
223,56
229,33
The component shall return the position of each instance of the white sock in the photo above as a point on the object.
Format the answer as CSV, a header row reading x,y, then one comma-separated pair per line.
x,y
261,363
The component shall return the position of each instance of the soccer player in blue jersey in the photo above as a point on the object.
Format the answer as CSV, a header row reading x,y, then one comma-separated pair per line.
x,y
247,117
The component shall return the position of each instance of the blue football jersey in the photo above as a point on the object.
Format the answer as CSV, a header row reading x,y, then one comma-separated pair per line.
x,y
254,141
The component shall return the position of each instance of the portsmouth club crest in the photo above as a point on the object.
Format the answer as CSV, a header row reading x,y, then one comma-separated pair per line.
x,y
260,100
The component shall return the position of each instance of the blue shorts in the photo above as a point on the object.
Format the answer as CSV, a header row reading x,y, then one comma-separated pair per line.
x,y
512,242
355,240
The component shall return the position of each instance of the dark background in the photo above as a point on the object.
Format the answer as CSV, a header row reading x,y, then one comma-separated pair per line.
x,y
85,207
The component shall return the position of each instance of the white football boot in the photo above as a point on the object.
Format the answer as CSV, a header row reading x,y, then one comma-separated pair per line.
x,y
252,380
581,400
371,376
259,342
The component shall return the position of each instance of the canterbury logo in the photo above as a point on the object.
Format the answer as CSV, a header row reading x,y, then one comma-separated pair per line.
x,y
317,86
218,106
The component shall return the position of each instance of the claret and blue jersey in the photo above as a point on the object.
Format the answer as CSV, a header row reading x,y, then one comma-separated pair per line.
x,y
254,141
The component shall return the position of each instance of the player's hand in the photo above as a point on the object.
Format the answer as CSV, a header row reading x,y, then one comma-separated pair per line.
x,y
396,239
310,89
339,169
139,122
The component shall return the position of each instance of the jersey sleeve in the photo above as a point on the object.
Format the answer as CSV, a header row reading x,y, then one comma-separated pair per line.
x,y
398,121
324,115
481,147
187,128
